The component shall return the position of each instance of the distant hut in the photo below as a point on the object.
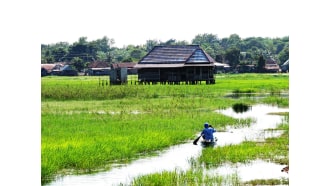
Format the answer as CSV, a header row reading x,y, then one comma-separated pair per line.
x,y
98,68
271,66
129,65
176,63
66,70
119,72
47,69
221,67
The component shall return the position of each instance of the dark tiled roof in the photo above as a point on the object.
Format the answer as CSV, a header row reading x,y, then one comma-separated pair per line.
x,y
123,65
98,64
271,64
270,61
177,54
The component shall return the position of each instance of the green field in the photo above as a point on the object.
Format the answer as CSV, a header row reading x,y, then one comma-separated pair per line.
x,y
86,125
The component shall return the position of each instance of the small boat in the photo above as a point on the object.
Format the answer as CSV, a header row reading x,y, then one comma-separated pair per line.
x,y
209,143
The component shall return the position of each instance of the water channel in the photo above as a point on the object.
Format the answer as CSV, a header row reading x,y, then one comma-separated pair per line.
x,y
177,157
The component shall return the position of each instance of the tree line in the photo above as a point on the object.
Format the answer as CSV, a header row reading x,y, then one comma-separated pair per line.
x,y
232,50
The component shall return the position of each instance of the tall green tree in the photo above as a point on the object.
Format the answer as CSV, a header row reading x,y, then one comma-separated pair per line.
x,y
80,49
261,63
59,54
233,55
78,63
150,44
47,57
137,54
234,41
101,56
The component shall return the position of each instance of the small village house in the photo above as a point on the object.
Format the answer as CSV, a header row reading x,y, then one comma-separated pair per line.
x,y
47,69
98,68
221,67
271,66
174,64
66,70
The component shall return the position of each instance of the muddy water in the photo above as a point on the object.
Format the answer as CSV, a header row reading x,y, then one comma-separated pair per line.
x,y
177,157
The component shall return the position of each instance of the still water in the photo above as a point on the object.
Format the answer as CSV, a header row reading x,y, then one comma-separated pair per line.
x,y
177,157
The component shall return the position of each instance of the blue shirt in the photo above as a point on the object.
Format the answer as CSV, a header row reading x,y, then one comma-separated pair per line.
x,y
208,133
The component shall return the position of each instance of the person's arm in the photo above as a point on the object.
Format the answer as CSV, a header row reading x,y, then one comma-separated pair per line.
x,y
212,128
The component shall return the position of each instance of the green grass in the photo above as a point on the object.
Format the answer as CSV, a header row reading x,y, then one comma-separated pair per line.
x,y
179,177
85,140
273,149
85,126
89,88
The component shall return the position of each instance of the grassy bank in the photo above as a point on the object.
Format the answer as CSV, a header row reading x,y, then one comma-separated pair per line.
x,y
86,125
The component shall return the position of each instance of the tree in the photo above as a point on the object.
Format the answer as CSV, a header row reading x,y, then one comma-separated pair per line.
x,y
79,49
169,42
232,55
78,63
59,53
117,54
220,57
129,59
182,42
205,39
234,41
269,44
104,44
284,54
150,44
261,63
82,40
101,56
136,54
253,42
47,57
209,43
220,49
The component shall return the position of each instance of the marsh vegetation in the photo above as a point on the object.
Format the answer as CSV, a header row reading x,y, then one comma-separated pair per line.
x,y
87,127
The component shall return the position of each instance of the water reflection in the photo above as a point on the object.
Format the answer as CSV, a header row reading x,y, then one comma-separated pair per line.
x,y
241,107
259,169
177,157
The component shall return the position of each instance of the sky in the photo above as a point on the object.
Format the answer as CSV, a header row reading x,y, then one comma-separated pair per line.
x,y
135,22
27,24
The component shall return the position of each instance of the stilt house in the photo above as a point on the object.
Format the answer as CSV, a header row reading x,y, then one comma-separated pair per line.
x,y
176,64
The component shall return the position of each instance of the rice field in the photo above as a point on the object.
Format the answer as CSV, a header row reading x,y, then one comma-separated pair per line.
x,y
87,125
